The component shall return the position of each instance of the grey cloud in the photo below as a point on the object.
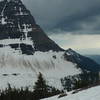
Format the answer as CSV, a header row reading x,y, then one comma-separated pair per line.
x,y
66,15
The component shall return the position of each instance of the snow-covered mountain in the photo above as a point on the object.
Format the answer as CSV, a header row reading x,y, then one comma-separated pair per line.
x,y
25,50
19,31
83,62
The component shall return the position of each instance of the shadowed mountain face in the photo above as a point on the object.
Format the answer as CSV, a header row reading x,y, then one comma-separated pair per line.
x,y
95,58
19,31
82,62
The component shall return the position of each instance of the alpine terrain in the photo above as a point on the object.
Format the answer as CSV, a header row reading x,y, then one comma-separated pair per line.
x,y
25,50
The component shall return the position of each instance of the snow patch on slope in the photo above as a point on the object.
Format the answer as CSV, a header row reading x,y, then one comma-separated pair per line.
x,y
51,64
89,94
6,42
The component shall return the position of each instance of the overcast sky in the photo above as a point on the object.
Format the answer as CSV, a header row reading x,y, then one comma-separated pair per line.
x,y
71,23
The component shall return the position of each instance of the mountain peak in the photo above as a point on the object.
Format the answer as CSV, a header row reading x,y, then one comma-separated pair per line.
x,y
19,31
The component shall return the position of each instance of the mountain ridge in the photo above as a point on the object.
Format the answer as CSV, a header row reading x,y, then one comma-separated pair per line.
x,y
95,58
82,61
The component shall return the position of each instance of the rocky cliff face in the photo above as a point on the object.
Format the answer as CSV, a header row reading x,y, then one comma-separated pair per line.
x,y
19,31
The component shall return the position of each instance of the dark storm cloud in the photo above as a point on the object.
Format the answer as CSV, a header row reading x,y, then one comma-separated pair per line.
x,y
74,22
81,16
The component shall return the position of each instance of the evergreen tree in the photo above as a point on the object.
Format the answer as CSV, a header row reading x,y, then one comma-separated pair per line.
x,y
40,88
